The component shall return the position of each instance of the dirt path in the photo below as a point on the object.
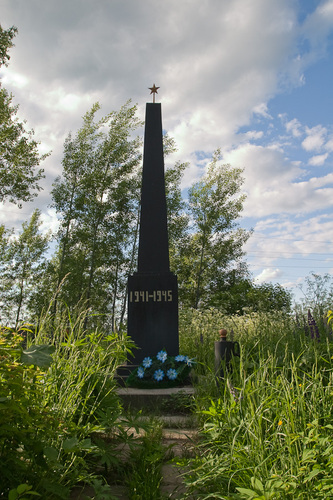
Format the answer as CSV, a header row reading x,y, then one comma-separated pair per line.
x,y
180,441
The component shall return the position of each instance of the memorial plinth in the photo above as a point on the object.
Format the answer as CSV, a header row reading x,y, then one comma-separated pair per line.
x,y
153,289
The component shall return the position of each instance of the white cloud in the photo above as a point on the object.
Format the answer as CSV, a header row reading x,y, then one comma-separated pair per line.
x,y
50,221
317,26
294,127
329,144
218,65
268,274
318,160
315,138
262,109
15,80
254,134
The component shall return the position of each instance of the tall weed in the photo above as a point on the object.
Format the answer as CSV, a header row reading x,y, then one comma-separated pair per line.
x,y
267,428
52,415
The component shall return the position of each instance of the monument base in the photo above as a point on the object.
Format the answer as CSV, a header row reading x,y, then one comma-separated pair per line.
x,y
153,314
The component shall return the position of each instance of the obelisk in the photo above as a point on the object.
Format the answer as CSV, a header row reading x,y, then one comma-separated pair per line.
x,y
153,289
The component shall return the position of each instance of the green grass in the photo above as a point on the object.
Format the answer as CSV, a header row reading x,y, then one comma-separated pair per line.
x,y
267,428
51,417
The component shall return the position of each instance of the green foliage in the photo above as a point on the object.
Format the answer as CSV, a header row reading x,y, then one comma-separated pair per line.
x,y
239,295
267,427
19,155
24,420
21,491
212,247
22,266
97,200
53,414
146,460
317,294
6,37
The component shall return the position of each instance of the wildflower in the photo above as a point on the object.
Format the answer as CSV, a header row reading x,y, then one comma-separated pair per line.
x,y
172,374
313,326
140,372
188,361
179,358
162,356
280,422
147,362
236,394
158,375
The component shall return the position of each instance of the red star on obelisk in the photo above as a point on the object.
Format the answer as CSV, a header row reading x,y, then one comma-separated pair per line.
x,y
153,90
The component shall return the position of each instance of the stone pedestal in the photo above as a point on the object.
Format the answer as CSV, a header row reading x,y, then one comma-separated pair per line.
x,y
153,314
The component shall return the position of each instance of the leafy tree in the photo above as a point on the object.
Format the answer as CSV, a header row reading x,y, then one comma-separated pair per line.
x,y
97,199
269,297
317,290
240,294
178,218
19,155
212,247
22,265
6,42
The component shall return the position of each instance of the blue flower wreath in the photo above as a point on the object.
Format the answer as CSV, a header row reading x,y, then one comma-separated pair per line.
x,y
161,371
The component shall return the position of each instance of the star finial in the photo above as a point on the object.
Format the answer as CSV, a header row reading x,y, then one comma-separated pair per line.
x,y
153,90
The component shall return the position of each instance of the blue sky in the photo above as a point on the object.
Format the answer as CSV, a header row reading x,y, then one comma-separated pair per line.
x,y
252,77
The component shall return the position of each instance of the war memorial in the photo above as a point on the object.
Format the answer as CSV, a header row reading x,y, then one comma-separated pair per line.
x,y
153,290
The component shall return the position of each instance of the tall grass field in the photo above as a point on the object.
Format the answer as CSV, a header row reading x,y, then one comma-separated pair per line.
x,y
266,428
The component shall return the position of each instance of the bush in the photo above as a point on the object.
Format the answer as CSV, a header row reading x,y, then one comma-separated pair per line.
x,y
51,416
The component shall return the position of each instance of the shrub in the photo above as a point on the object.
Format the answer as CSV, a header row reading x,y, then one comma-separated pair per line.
x,y
50,416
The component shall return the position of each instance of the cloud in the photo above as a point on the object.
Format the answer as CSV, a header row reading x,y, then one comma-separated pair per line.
x,y
318,160
50,223
15,80
317,27
219,65
217,62
315,138
294,127
281,237
268,274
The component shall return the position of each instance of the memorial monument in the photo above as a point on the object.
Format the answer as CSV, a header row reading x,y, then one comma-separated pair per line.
x,y
153,289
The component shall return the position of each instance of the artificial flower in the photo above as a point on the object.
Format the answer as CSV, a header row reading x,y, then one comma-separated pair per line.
x,y
162,356
158,375
147,362
172,374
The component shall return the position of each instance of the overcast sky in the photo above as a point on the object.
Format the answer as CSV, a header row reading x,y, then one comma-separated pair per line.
x,y
252,77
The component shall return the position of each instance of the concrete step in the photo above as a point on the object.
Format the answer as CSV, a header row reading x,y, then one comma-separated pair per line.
x,y
151,398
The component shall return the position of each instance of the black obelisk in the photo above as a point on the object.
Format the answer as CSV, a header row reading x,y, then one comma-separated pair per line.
x,y
153,290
